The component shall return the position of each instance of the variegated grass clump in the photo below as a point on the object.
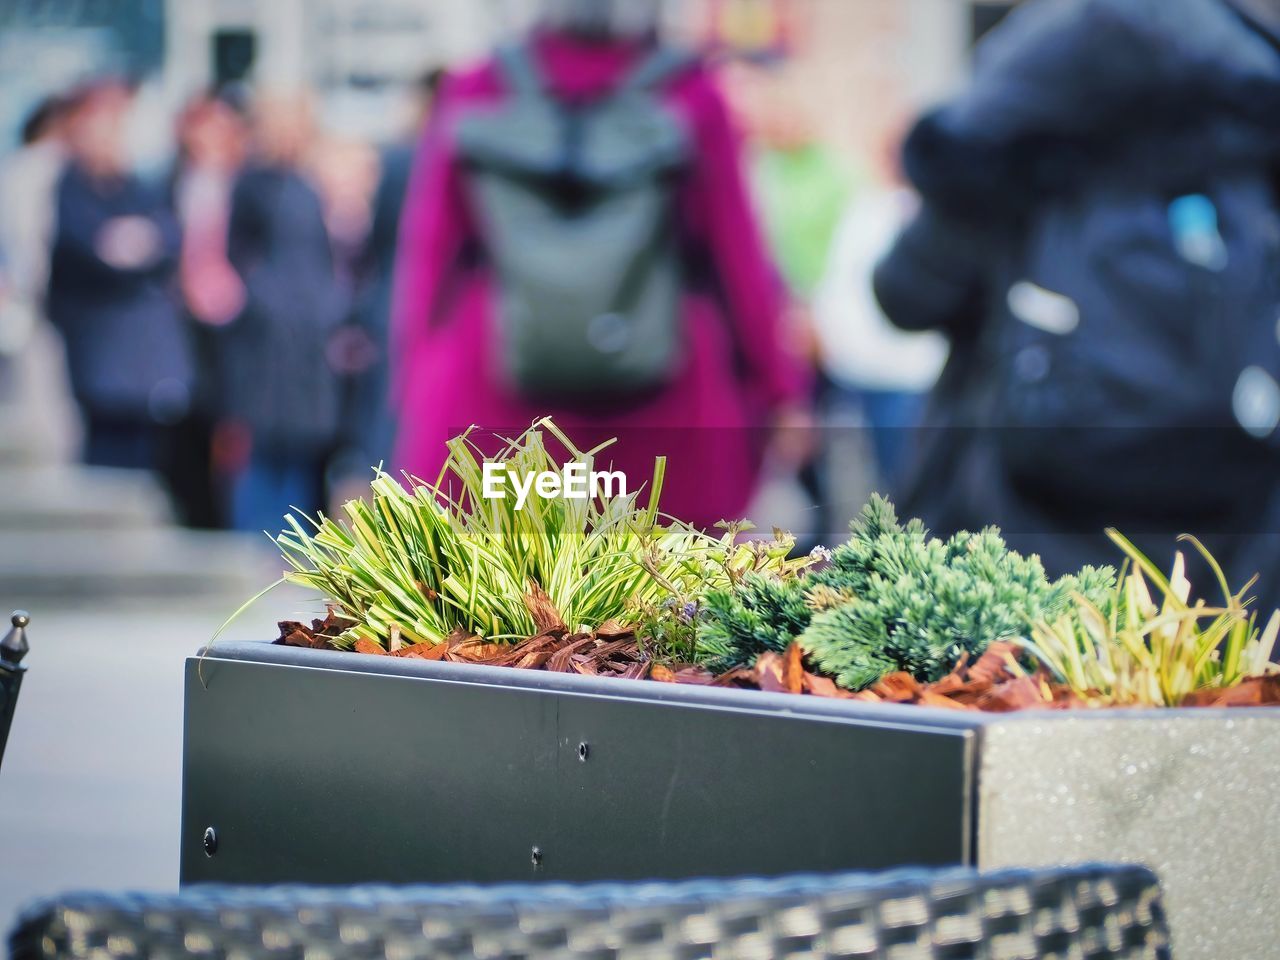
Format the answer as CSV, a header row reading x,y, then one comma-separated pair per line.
x,y
670,631
417,561
1135,651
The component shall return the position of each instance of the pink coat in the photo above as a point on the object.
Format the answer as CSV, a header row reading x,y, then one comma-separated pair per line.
x,y
711,421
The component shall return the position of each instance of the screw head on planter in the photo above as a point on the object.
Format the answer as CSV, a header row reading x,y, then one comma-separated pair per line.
x,y
14,646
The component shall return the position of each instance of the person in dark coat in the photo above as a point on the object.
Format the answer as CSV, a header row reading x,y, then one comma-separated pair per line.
x,y
112,292
370,425
1099,239
281,395
211,139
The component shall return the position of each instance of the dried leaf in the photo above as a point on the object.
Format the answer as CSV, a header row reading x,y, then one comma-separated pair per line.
x,y
333,625
533,660
898,688
562,660
695,677
793,669
424,651
930,699
1255,692
824,687
635,671
768,673
952,683
543,611
294,634
459,637
993,665
1019,694
613,630
477,651
299,639
513,656
626,646
740,677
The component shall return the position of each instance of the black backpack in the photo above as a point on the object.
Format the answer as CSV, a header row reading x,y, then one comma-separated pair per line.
x,y
576,208
1136,364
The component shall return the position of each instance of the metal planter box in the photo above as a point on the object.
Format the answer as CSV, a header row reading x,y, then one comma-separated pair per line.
x,y
311,767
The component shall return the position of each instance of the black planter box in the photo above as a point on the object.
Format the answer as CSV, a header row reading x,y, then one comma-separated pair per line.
x,y
311,767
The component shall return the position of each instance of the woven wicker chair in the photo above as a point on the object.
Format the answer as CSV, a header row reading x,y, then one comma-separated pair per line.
x,y
12,649
1081,913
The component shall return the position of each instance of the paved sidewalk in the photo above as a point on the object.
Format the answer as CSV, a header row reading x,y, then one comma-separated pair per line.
x,y
90,785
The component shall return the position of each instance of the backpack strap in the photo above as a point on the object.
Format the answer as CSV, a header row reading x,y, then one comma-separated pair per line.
x,y
656,69
520,71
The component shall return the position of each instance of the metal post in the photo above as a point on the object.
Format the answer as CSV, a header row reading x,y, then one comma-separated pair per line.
x,y
12,649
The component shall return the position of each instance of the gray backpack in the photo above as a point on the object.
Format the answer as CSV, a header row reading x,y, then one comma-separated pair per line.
x,y
576,209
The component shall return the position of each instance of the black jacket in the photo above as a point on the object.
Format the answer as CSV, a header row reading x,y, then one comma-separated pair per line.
x,y
1100,107
276,375
127,352
370,426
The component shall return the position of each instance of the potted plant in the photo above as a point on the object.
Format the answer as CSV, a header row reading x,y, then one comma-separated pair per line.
x,y
898,700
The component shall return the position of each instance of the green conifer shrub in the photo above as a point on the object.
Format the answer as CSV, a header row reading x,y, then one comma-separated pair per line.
x,y
911,602
761,613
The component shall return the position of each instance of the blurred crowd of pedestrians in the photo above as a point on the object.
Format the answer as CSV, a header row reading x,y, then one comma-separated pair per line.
x,y
224,325
1082,244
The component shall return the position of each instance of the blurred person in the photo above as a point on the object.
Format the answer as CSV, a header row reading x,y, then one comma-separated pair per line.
x,y
111,292
282,396
1099,239
346,174
212,143
802,187
369,426
881,376
28,187
577,241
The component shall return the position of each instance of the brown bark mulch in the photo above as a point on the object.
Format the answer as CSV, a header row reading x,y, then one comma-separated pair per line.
x,y
610,651
993,683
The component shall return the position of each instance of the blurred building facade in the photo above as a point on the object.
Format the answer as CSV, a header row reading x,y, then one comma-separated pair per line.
x,y
861,68
357,55
862,63
47,45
